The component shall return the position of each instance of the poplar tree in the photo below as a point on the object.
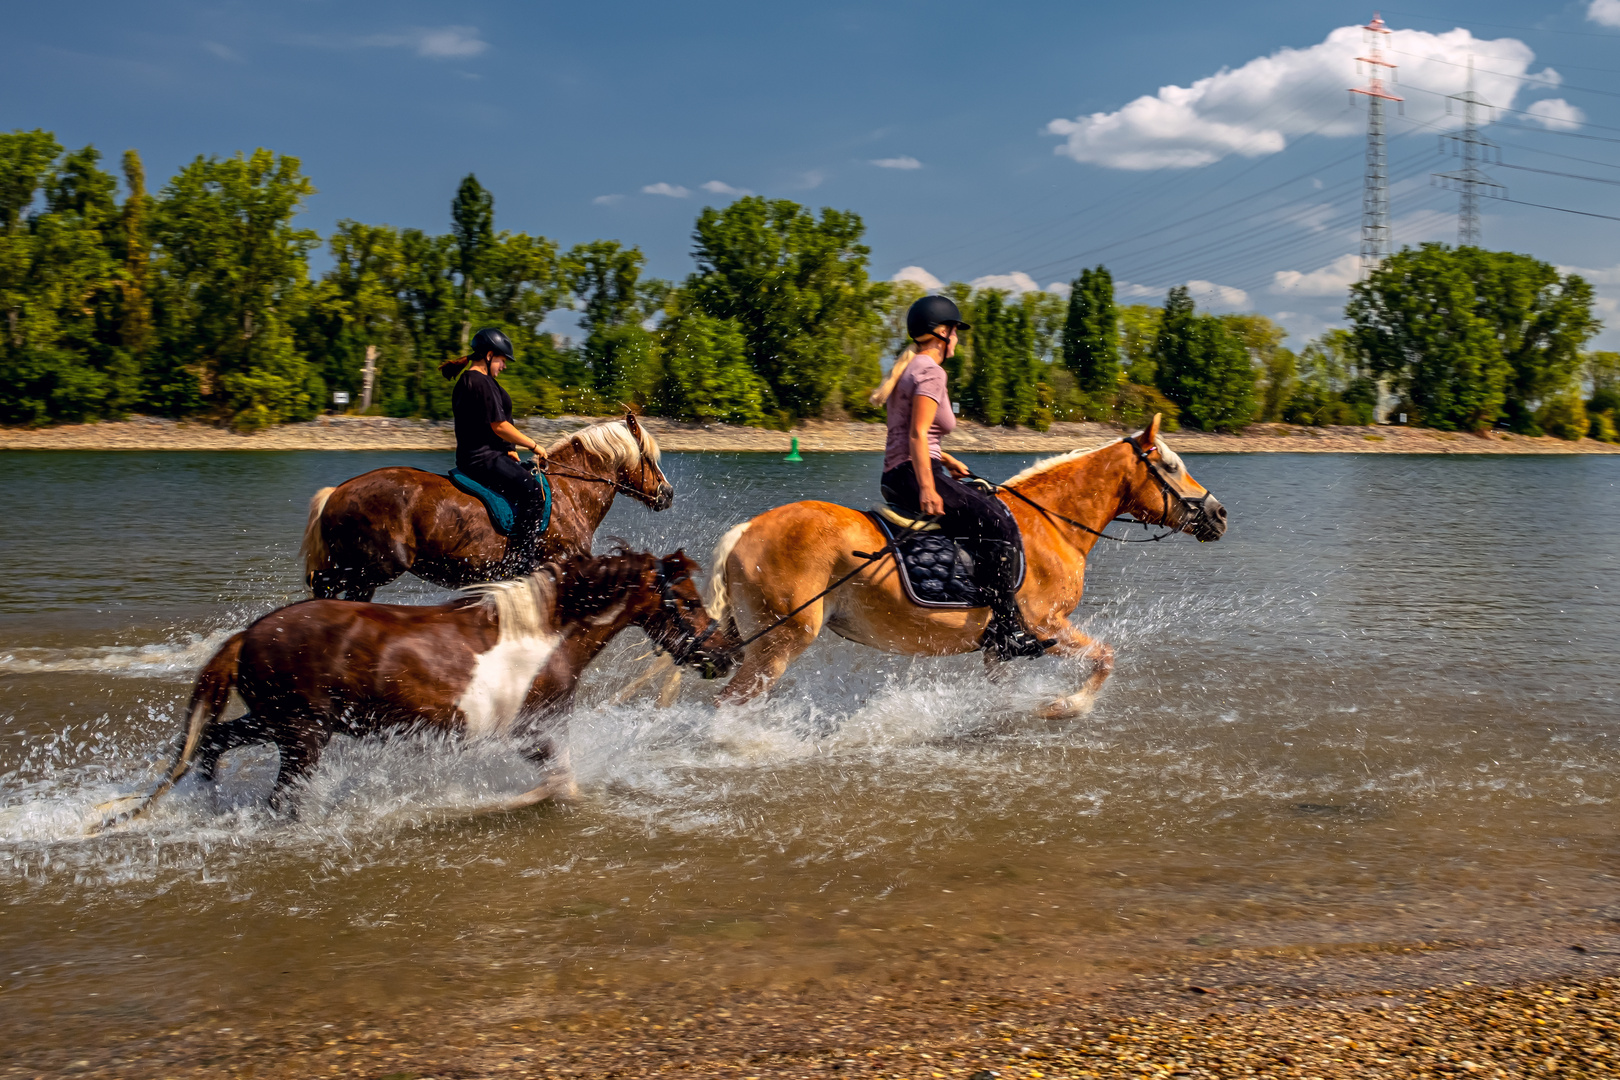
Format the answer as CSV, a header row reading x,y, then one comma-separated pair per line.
x,y
472,217
1091,334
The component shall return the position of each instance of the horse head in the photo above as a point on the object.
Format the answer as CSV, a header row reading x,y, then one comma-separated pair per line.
x,y
1163,492
681,625
643,478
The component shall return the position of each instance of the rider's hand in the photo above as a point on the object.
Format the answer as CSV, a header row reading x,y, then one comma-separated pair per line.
x,y
956,468
539,454
930,504
513,454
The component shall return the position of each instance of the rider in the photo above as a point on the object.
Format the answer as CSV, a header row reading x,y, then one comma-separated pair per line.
x,y
920,477
486,437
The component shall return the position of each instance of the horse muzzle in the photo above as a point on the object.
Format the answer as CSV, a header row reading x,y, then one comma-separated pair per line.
x,y
1206,518
664,499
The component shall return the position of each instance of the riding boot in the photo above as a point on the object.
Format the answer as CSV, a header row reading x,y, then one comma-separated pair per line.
x,y
522,546
1007,637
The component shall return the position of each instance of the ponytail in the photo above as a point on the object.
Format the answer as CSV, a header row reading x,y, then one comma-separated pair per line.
x,y
454,369
880,396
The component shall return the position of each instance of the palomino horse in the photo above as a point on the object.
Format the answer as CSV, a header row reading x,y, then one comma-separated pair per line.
x,y
503,661
368,531
767,567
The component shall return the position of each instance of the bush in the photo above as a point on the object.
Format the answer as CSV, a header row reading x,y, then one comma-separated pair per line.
x,y
1135,405
1564,416
1602,428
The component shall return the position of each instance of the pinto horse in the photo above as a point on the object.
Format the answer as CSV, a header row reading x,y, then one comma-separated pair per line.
x,y
502,661
368,531
766,568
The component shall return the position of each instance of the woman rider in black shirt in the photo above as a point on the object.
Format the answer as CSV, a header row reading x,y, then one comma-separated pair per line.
x,y
486,437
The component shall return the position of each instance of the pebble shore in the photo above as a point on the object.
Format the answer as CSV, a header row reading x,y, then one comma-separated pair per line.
x,y
389,433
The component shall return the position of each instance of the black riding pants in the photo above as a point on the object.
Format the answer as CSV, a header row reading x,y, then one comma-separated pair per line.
x,y
982,523
517,486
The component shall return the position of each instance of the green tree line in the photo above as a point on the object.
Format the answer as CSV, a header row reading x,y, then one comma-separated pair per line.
x,y
198,300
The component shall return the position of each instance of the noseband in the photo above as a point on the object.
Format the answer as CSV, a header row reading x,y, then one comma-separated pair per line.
x,y
688,642
1196,507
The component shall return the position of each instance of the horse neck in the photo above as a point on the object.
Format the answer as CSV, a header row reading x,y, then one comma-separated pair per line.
x,y
1092,489
589,501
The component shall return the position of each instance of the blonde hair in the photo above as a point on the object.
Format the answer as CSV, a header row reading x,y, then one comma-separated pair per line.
x,y
880,396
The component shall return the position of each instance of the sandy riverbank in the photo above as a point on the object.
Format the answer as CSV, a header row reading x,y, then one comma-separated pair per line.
x,y
1502,1008
386,433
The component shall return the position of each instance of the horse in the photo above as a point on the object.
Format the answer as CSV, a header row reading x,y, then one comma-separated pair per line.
x,y
767,572
375,527
501,661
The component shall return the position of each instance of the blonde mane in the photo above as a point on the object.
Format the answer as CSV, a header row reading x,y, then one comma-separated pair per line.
x,y
612,443
1167,455
524,609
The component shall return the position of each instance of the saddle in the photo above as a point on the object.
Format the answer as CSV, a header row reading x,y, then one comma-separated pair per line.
x,y
936,571
501,514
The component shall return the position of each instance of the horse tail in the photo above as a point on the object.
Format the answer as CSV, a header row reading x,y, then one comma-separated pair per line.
x,y
208,699
313,549
717,597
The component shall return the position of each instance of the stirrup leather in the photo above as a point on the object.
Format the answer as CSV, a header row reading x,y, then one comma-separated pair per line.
x,y
901,521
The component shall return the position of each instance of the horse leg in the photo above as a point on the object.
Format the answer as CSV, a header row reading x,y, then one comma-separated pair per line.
x,y
766,659
300,746
242,731
1072,643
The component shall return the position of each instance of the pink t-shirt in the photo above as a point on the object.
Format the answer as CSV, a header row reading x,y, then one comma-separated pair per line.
x,y
924,377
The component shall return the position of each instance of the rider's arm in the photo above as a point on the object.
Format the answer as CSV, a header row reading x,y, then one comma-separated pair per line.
x,y
508,432
923,409
956,467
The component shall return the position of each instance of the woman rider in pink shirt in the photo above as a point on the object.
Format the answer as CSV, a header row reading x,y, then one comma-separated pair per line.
x,y
921,478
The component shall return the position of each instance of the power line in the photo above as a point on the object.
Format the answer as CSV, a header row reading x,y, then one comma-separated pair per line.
x,y
1519,78
1566,157
1504,26
1566,175
1560,209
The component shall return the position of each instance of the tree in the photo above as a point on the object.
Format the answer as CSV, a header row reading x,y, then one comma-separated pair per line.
x,y
135,329
234,280
1138,335
355,312
606,280
1263,339
706,372
1468,336
472,223
1173,361
1091,333
794,283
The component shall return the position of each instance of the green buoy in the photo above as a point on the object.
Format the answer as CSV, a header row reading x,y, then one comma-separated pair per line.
x,y
793,454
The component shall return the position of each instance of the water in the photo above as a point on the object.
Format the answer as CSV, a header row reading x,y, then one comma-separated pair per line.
x,y
1384,708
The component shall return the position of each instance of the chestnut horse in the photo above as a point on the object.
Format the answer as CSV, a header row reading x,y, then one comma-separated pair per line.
x,y
368,531
502,661
767,567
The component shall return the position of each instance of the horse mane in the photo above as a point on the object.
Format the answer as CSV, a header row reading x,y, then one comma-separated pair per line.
x,y
612,443
1169,456
523,608
588,584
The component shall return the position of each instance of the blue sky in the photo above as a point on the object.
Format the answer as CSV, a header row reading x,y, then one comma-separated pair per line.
x,y
978,142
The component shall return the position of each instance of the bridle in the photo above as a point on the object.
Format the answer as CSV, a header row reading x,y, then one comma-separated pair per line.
x,y
688,643
1196,507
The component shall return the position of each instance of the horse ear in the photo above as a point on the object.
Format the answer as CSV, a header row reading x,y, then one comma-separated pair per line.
x,y
1151,436
630,421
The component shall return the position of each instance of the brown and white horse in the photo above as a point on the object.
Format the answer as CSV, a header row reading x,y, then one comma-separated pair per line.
x,y
503,661
368,531
765,568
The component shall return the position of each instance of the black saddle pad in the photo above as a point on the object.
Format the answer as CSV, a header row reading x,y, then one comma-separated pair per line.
x,y
935,569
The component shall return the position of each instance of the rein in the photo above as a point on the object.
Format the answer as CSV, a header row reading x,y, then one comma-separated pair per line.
x,y
623,489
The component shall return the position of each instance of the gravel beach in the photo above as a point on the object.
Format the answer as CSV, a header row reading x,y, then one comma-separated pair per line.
x,y
388,433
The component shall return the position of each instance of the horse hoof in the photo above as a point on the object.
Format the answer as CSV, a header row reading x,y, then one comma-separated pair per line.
x,y
1068,708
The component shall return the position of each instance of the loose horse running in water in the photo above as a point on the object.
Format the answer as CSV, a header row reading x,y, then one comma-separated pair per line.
x,y
368,531
765,568
503,661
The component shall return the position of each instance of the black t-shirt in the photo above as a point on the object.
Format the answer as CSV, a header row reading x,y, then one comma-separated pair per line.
x,y
477,402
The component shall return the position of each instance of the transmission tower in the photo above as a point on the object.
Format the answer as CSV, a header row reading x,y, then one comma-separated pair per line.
x,y
1474,149
1375,192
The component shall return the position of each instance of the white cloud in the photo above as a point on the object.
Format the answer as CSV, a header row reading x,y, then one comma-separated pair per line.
x,y
919,276
1605,282
607,200
1255,109
1015,282
224,52
913,163
717,187
1604,12
1210,295
813,179
1061,288
674,191
1334,279
435,42
1557,113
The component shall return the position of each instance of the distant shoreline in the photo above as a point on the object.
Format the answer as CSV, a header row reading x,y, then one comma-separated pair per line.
x,y
815,436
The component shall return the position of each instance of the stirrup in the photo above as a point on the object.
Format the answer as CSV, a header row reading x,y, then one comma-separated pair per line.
x,y
901,521
1007,639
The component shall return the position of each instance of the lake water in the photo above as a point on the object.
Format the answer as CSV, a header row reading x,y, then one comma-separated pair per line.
x,y
1385,707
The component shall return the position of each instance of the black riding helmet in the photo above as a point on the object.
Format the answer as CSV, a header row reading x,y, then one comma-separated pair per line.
x,y
929,312
491,340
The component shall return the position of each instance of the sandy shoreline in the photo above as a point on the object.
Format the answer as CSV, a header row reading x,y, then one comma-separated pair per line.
x,y
1489,1008
387,433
